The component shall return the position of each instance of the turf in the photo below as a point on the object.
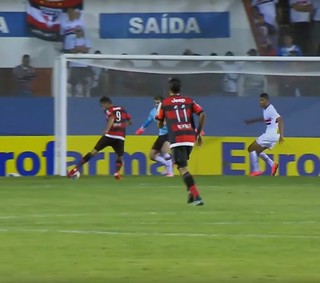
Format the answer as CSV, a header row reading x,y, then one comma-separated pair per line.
x,y
141,230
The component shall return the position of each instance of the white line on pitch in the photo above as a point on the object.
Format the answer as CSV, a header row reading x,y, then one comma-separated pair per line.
x,y
85,214
189,234
162,234
42,216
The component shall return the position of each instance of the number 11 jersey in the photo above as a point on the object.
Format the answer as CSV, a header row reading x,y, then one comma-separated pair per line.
x,y
178,112
120,116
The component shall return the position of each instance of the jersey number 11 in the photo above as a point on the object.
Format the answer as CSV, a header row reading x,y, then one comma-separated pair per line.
x,y
178,113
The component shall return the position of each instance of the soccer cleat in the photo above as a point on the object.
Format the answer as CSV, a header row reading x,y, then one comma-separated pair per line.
x,y
169,175
197,202
72,172
255,174
164,172
117,176
274,169
190,198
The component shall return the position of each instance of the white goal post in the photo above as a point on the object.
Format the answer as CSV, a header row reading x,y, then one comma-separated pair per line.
x,y
278,66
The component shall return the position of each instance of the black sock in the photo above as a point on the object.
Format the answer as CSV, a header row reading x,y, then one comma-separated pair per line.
x,y
85,159
118,164
188,180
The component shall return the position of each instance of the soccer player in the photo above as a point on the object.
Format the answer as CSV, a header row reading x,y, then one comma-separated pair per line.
x,y
273,134
114,135
177,111
161,147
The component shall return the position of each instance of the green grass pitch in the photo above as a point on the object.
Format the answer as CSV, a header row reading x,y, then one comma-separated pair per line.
x,y
97,230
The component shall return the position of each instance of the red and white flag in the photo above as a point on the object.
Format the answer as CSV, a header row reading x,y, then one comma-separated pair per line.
x,y
44,16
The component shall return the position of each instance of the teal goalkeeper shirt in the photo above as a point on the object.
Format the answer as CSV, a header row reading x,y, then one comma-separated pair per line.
x,y
151,118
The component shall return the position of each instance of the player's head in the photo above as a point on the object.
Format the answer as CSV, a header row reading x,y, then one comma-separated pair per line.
x,y
105,102
175,86
264,100
157,99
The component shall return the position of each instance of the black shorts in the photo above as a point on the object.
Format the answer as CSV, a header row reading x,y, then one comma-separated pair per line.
x,y
160,141
181,155
116,144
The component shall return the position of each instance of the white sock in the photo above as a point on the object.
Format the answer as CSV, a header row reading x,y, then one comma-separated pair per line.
x,y
169,167
254,163
161,160
266,158
166,156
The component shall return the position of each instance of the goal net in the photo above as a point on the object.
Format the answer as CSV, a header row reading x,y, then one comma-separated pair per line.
x,y
130,78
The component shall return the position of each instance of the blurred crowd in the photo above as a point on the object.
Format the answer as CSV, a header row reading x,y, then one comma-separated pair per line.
x,y
281,28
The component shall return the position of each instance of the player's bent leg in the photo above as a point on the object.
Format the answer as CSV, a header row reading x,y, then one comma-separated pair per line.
x,y
84,160
118,147
254,150
274,166
153,154
119,163
165,149
156,154
193,193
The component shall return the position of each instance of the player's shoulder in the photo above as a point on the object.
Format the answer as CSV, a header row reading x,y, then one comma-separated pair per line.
x,y
117,108
269,107
177,99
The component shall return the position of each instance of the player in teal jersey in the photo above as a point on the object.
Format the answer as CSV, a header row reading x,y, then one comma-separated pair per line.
x,y
161,147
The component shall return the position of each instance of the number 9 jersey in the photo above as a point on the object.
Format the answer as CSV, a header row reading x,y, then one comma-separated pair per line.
x,y
178,112
121,117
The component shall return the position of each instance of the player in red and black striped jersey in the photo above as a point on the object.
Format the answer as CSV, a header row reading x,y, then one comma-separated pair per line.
x,y
117,121
177,111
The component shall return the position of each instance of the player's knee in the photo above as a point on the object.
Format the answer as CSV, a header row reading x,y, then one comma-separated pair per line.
x,y
183,170
251,147
94,152
152,155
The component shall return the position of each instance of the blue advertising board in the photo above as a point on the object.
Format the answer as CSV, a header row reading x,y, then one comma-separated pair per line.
x,y
13,24
165,25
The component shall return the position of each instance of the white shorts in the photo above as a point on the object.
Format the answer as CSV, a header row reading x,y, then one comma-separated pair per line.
x,y
268,141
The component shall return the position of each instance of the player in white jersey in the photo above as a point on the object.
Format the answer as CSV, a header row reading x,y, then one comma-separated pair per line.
x,y
273,134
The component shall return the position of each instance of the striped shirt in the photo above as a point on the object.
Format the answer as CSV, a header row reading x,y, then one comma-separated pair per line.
x,y
24,77
118,129
178,112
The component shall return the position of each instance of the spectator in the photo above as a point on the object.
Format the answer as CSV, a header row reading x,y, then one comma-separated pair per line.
x,y
100,80
24,75
230,81
289,48
300,17
316,28
68,24
268,9
252,84
267,35
79,73
290,85
187,52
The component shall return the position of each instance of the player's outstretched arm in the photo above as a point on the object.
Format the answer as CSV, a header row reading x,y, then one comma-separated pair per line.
x,y
146,123
281,126
255,120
